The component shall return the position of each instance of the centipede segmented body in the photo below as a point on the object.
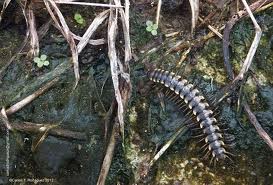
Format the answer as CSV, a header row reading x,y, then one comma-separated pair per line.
x,y
204,117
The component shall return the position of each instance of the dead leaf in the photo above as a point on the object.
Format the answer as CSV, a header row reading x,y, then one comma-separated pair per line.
x,y
62,26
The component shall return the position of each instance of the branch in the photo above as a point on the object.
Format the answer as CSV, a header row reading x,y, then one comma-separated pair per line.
x,y
258,127
34,128
109,155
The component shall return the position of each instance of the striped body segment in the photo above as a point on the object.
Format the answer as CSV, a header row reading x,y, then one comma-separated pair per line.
x,y
205,121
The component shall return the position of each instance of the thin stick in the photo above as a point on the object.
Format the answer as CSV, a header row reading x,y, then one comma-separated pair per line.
x,y
254,45
4,119
96,42
212,29
91,29
258,127
229,25
264,7
89,4
34,128
109,155
158,11
181,130
252,50
19,105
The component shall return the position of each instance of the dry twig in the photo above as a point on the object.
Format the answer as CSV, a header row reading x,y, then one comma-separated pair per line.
x,y
253,47
34,128
258,127
89,4
109,154
91,29
244,69
19,105
31,23
228,28
62,26
179,132
5,5
194,13
159,4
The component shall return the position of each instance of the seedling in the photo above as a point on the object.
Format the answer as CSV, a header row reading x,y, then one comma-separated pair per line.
x,y
79,19
41,61
151,27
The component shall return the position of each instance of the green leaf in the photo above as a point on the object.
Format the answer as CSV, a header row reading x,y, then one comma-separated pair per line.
x,y
80,21
154,32
43,57
77,16
155,26
36,59
149,28
46,63
149,23
40,64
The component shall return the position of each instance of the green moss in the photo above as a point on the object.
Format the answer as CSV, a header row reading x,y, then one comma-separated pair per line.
x,y
139,34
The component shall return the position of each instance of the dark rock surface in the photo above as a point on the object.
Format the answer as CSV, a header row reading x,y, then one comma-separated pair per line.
x,y
54,154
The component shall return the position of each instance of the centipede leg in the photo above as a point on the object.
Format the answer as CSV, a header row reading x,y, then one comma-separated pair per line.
x,y
206,155
211,160
167,92
198,136
229,157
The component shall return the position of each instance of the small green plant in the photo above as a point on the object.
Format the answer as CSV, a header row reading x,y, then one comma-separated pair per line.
x,y
41,61
79,19
151,27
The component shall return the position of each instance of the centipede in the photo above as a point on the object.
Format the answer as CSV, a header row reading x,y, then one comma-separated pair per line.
x,y
216,140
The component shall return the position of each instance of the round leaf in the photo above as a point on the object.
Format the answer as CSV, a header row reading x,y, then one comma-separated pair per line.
x,y
149,23
77,16
155,26
154,32
46,63
43,57
149,28
36,59
80,21
40,64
